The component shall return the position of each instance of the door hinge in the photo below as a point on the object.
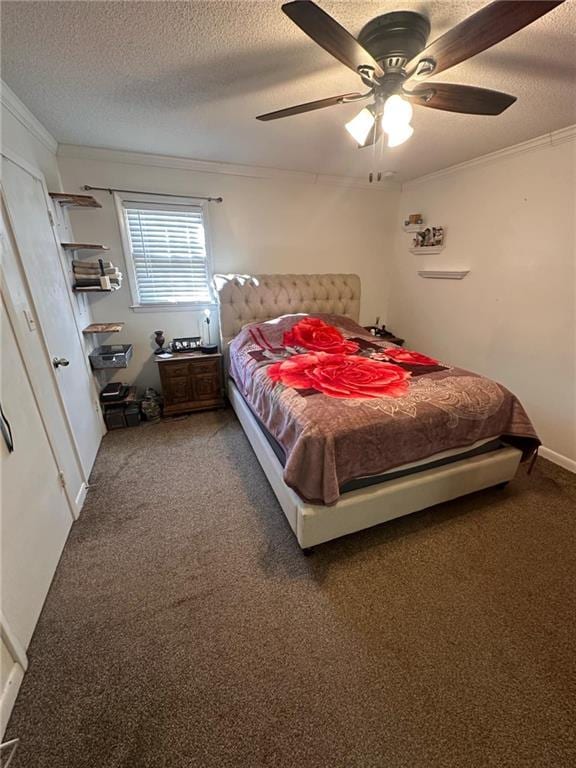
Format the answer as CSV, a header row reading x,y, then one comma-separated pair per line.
x,y
62,479
51,219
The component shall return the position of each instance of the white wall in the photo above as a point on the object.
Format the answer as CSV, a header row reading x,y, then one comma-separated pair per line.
x,y
511,220
286,223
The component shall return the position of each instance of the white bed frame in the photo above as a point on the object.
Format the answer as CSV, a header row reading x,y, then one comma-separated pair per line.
x,y
263,297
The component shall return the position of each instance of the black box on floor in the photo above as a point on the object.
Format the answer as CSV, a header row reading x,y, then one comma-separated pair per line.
x,y
132,414
114,417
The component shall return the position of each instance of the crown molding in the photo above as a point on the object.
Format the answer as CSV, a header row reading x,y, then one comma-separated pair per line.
x,y
78,152
540,142
562,135
20,111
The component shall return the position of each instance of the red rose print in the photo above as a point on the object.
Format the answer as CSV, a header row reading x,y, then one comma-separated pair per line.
x,y
317,336
341,375
401,355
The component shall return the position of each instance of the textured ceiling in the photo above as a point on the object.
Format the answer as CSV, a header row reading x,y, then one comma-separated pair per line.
x,y
188,78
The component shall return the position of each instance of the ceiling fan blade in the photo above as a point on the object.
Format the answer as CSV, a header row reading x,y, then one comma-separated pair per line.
x,y
325,31
459,98
310,106
483,29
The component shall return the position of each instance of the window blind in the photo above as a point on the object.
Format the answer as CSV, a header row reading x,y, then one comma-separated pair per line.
x,y
168,247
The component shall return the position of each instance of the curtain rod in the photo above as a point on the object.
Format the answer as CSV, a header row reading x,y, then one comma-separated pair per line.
x,y
110,190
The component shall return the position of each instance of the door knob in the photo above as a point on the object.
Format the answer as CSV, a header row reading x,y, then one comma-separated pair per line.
x,y
60,361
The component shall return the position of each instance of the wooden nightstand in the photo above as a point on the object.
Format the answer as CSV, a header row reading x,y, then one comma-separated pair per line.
x,y
191,381
385,335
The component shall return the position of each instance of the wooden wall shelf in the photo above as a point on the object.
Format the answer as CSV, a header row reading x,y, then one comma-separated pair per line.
x,y
103,328
74,201
84,247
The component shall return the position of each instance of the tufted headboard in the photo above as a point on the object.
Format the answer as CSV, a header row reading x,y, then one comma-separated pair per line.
x,y
251,298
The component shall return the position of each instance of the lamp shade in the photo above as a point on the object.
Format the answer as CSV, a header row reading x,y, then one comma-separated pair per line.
x,y
361,125
397,114
399,135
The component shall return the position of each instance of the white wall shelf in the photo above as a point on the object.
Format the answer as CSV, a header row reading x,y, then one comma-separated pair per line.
x,y
427,249
444,274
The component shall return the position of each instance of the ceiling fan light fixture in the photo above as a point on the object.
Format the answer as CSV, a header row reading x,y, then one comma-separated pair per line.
x,y
361,125
397,114
399,135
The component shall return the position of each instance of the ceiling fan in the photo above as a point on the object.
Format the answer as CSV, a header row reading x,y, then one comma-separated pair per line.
x,y
391,52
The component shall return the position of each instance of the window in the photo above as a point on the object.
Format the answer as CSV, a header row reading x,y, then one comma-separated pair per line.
x,y
166,252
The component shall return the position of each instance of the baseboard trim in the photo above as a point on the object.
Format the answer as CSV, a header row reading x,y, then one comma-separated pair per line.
x,y
80,499
9,695
558,458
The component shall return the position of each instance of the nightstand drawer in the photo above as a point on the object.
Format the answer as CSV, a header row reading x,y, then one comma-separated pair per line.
x,y
204,366
175,370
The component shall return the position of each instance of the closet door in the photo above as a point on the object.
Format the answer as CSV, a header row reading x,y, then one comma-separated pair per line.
x,y
27,206
36,516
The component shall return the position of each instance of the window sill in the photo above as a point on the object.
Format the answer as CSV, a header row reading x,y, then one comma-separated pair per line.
x,y
162,308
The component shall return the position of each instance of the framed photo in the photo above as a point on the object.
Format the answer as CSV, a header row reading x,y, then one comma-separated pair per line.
x,y
428,240
186,344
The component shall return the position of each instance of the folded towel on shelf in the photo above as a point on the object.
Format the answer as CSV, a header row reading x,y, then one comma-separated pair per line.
x,y
91,264
96,280
109,272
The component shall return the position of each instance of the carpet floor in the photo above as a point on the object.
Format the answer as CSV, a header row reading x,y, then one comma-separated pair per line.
x,y
185,629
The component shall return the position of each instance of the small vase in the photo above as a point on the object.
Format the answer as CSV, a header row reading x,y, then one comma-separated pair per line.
x,y
159,339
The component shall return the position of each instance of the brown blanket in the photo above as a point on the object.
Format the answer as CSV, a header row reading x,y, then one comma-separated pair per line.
x,y
344,404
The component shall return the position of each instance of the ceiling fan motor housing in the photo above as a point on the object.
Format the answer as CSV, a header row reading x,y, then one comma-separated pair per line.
x,y
395,38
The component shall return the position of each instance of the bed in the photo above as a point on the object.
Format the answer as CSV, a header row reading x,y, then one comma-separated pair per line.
x,y
262,322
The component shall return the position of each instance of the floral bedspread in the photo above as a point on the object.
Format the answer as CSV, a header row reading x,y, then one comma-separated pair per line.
x,y
343,404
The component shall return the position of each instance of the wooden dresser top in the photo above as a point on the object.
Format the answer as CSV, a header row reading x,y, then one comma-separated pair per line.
x,y
185,356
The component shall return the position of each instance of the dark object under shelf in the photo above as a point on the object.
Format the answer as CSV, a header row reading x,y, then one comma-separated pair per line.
x,y
113,393
123,412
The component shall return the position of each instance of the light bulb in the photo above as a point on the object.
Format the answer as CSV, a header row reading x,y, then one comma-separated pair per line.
x,y
399,135
397,114
361,125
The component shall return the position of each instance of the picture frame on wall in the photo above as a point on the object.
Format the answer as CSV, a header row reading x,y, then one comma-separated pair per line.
x,y
428,240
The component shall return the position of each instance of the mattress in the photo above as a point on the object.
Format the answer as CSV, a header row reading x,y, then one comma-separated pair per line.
x,y
350,410
439,459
